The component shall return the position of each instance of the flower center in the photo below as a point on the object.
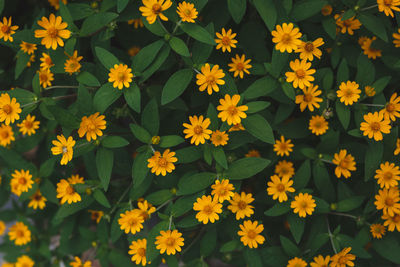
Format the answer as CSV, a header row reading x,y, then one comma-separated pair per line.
x,y
348,93
64,149
28,124
223,192
304,204
91,127
70,190
22,181
280,188
156,8
145,215
239,66
121,76
132,221
283,147
7,109
284,170
48,61
232,110
141,252
390,107
242,205
300,74
286,38
343,260
208,209
43,78
170,242
309,47
187,12
20,233
226,41
218,137
347,23
198,130
344,164
308,97
388,3
52,32
162,162
5,29
389,201
396,218
37,197
251,234
210,79
387,176
5,134
375,126
317,124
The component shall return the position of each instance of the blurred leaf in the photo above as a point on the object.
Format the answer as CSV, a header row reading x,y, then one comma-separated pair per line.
x,y
159,197
64,117
176,85
237,8
133,97
179,46
257,106
296,225
373,24
170,141
139,167
260,87
350,203
104,163
303,175
150,117
105,96
219,156
197,32
278,209
114,142
101,198
323,182
289,247
121,5
88,79
68,209
22,60
95,22
245,168
373,157
146,56
267,11
343,113
304,9
106,58
388,247
209,241
195,183
252,257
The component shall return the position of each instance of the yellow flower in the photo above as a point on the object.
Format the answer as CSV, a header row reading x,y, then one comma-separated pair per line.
x,y
96,215
236,127
37,201
388,200
320,261
187,12
56,3
286,37
387,6
6,264
326,11
138,250
65,147
229,111
197,130
283,147
345,163
377,230
396,38
20,233
250,233
67,193
47,63
284,169
29,125
362,39
277,188
76,179
120,75
253,154
72,64
9,109
169,241
374,125
392,222
146,209
208,209
6,135
78,263
370,51
219,138
388,175
162,164
240,205
6,30
131,221
348,25
226,40
239,66
28,47
342,259
348,92
30,61
222,190
45,77
369,91
392,108
301,75
92,126
310,49
296,262
54,30
136,23
24,261
318,125
21,181
303,204
210,78
152,9
397,149
133,50
309,98
2,228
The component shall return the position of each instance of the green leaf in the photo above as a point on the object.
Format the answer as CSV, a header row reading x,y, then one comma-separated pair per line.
x,y
343,72
289,247
267,11
350,203
119,259
69,209
245,168
229,246
306,8
155,28
278,62
66,16
87,78
22,60
114,142
257,106
105,96
121,5
388,247
176,85
373,157
64,117
297,225
150,117
170,141
159,197
261,87
365,71
23,96
84,100
380,84
158,62
259,127
146,56
139,167
329,26
219,156
104,164
208,242
278,209
188,154
95,22
289,91
184,204
140,133
302,176
197,32
151,251
101,198
323,182
237,8
49,191
194,183
373,24
179,46
1,5
252,258
343,113
106,58
132,97
47,167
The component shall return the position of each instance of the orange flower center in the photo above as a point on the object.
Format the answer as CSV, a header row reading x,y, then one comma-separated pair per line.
x,y
375,126
70,190
121,76
304,204
208,209
218,137
4,134
210,79
22,181
141,252
344,164
242,205
5,29
20,233
390,107
156,8
251,234
170,242
28,124
52,32
286,38
187,12
222,192
284,170
43,78
280,188
239,66
226,41
347,23
37,197
318,124
387,176
283,146
300,73
91,127
7,109
309,47
389,201
48,61
308,97
232,110
162,162
198,129
396,218
132,221
144,214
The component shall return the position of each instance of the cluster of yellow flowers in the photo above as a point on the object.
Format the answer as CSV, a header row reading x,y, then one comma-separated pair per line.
x,y
340,259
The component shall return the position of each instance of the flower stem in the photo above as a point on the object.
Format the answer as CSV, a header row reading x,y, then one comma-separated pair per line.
x,y
344,215
371,105
369,7
176,26
327,161
170,222
162,25
330,236
163,204
120,199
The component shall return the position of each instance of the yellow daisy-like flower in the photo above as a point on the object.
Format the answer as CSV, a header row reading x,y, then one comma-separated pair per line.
x,y
187,12
369,91
67,193
377,230
309,99
29,125
54,30
318,125
56,3
197,130
362,39
65,147
28,47
387,6
133,50
303,204
284,169
222,190
20,234
374,125
37,201
6,135
21,181
388,175
138,251
152,9
30,61
326,11
369,51
277,188
348,92
250,234
6,30
96,215
296,262
207,209
283,147
345,163
229,111
392,222
76,179
137,23
396,38
120,75
6,264
162,164
45,77
2,228
343,258
219,138
47,63
146,209
301,74
392,108
24,261
92,126
78,263
388,200
321,261
253,154
169,241
397,149
9,109
131,221
210,78
236,127
72,64
286,37
225,40
239,66
310,49
348,25
239,204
